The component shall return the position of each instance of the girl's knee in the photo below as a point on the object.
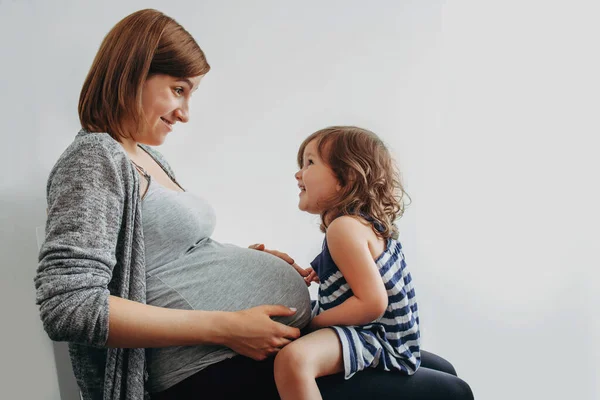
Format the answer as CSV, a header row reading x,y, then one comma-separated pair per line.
x,y
290,360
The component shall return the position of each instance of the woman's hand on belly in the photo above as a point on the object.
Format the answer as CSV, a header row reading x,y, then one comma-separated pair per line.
x,y
308,274
254,334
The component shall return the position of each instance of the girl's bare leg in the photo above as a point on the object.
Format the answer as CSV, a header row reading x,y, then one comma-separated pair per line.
x,y
299,363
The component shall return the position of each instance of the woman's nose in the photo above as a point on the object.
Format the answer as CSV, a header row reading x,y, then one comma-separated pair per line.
x,y
182,114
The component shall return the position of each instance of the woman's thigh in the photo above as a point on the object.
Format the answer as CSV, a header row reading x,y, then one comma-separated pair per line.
x,y
425,384
433,361
241,377
235,378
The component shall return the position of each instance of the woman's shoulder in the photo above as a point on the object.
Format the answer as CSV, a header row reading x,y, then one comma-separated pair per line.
x,y
95,142
91,154
91,147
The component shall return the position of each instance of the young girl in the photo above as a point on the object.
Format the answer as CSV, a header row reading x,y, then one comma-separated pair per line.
x,y
366,314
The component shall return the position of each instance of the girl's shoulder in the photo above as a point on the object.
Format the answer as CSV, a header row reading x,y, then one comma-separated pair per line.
x,y
355,221
353,226
355,230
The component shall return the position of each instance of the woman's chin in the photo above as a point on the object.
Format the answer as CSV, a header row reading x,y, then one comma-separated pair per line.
x,y
155,140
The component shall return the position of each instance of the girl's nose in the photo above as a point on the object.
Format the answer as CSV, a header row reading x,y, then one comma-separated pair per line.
x,y
298,175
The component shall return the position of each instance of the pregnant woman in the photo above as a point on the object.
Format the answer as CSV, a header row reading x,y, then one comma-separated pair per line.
x,y
127,262
151,306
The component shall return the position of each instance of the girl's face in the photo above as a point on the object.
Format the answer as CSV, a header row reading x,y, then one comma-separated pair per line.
x,y
317,182
165,101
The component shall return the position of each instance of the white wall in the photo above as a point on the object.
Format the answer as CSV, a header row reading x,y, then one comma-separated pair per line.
x,y
489,107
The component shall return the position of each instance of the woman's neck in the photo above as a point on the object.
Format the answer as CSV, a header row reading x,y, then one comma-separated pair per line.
x,y
130,146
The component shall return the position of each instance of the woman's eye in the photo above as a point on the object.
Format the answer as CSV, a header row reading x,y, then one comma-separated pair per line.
x,y
179,91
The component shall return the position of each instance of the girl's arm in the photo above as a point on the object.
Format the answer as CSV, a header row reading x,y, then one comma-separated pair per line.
x,y
308,274
348,242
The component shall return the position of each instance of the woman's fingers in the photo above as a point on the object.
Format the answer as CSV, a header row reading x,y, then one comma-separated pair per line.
x,y
257,336
277,310
262,336
282,330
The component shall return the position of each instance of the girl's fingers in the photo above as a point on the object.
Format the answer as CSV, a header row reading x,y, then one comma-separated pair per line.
x,y
306,273
281,255
301,271
313,277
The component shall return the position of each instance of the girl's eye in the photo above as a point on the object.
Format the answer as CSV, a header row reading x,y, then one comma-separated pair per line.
x,y
310,162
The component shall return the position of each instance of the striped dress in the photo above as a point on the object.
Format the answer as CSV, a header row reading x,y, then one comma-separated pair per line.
x,y
391,342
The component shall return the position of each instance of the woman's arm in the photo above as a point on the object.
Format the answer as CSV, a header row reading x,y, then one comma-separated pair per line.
x,y
249,332
85,211
347,239
86,197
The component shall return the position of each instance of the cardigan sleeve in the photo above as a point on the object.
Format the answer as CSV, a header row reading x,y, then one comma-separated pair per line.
x,y
85,212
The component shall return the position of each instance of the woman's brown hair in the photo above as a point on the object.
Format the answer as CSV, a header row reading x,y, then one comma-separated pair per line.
x,y
142,44
369,178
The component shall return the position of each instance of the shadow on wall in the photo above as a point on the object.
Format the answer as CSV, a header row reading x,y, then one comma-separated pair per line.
x,y
64,371
66,380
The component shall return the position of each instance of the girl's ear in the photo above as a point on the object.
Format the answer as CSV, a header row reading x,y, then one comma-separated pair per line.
x,y
349,180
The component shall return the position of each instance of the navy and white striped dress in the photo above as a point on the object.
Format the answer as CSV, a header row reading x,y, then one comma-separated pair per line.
x,y
391,342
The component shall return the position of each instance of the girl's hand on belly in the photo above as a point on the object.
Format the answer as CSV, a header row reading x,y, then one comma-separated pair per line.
x,y
254,334
311,277
308,274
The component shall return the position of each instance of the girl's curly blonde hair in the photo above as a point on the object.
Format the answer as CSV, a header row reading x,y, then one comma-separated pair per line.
x,y
369,178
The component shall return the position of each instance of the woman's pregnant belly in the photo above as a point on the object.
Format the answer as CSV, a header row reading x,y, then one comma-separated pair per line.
x,y
214,276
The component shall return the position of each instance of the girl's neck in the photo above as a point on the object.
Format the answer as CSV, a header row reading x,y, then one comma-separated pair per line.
x,y
328,220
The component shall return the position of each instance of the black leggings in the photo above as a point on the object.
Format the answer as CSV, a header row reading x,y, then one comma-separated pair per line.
x,y
241,377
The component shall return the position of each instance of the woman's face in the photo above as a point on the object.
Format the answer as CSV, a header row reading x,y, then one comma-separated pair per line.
x,y
165,101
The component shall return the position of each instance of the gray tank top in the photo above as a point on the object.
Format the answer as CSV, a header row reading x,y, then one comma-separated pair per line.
x,y
186,269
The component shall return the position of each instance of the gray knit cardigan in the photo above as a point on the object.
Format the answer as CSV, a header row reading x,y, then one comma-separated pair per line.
x,y
94,247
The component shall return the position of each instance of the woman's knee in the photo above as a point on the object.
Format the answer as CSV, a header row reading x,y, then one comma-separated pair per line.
x,y
433,361
460,390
